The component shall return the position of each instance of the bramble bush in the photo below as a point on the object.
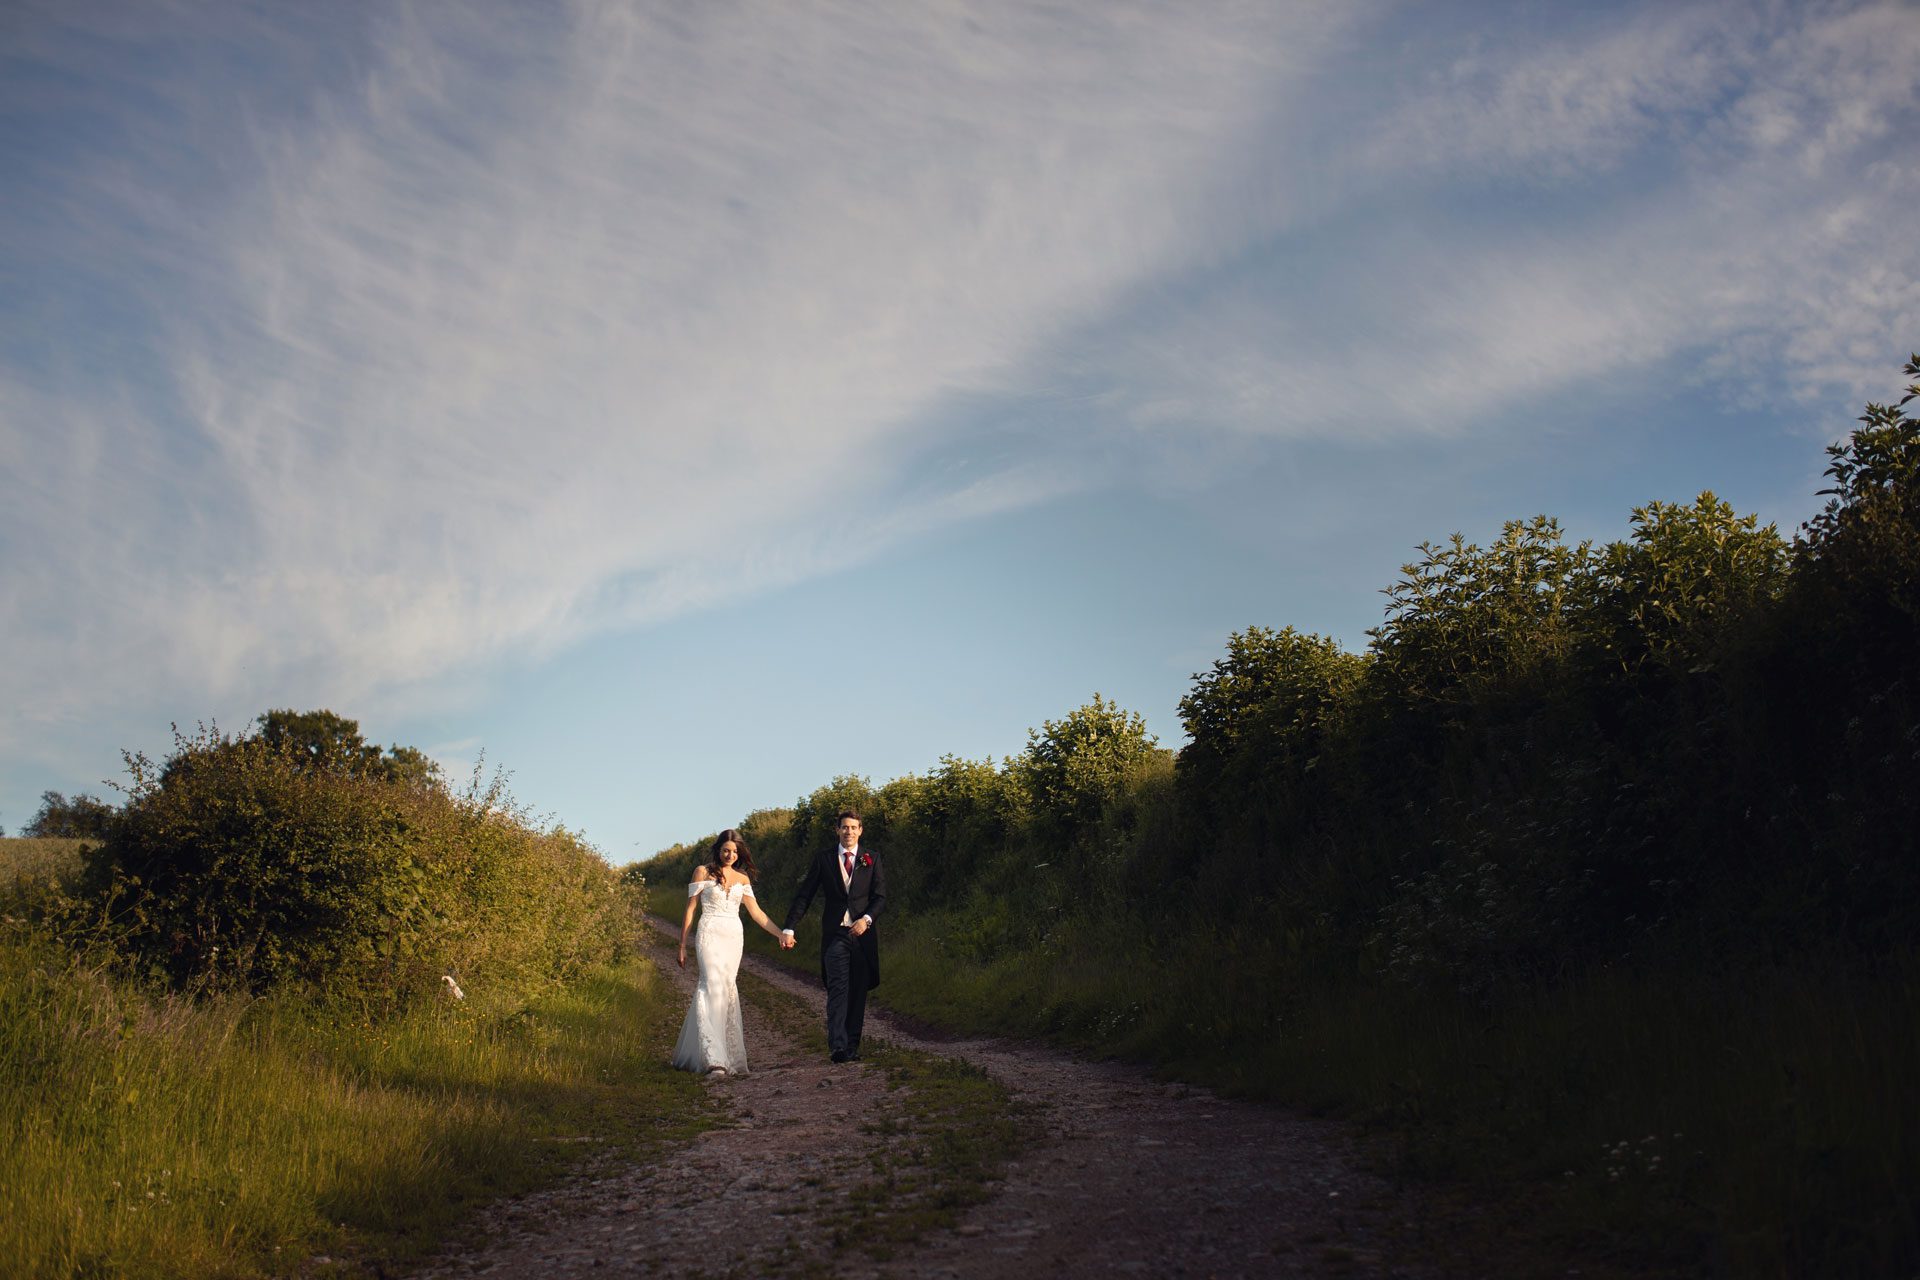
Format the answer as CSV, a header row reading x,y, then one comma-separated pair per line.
x,y
247,862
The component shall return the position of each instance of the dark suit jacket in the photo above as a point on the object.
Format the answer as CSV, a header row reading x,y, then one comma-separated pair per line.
x,y
864,895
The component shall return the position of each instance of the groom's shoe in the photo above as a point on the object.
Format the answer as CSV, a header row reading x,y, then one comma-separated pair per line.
x,y
840,1055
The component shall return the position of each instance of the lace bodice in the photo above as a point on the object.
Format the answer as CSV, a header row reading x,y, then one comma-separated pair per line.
x,y
715,901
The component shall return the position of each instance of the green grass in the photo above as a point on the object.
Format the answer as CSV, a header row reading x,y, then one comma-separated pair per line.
x,y
145,1135
1770,1097
30,865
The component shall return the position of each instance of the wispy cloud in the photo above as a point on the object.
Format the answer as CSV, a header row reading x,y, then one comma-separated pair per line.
x,y
1724,183
514,329
349,357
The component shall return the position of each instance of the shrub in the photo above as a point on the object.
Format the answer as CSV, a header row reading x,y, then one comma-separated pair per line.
x,y
235,857
1259,719
1862,552
813,824
1691,579
240,863
1466,622
1075,766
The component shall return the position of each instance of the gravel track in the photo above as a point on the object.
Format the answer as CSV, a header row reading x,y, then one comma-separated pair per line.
x,y
1126,1176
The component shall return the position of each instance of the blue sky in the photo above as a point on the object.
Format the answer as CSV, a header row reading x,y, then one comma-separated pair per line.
x,y
686,404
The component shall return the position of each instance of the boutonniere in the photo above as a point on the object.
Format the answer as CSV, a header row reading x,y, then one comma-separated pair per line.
x,y
865,861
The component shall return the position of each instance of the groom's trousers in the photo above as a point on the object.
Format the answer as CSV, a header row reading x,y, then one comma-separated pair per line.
x,y
845,964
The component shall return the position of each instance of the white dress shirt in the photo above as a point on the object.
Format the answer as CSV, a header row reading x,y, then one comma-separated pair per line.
x,y
843,864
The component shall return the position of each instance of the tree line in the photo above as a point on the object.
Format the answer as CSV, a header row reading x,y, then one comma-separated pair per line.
x,y
1550,755
1590,848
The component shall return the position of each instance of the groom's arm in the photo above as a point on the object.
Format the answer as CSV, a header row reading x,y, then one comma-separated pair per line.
x,y
876,891
804,898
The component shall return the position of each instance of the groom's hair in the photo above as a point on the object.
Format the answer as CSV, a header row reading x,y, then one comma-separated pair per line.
x,y
844,814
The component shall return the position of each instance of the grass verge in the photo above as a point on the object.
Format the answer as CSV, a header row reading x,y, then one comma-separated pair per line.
x,y
159,1136
1678,1118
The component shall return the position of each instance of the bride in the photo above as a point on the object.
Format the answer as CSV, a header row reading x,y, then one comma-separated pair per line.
x,y
711,1038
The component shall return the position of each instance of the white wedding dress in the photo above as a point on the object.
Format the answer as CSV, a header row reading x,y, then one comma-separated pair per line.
x,y
712,1036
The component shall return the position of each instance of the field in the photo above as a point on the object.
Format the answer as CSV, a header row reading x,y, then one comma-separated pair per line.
x,y
29,863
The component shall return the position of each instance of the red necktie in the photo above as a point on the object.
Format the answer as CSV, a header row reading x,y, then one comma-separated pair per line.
x,y
848,855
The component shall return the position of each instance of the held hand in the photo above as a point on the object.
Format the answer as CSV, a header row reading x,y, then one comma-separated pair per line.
x,y
786,942
859,927
683,957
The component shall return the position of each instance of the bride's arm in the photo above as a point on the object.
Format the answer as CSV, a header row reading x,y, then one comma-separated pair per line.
x,y
759,916
700,876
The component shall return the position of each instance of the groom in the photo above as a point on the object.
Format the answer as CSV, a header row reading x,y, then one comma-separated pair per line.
x,y
849,947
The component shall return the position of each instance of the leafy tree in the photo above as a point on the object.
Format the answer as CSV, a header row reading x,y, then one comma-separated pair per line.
x,y
332,743
1863,549
407,766
83,817
767,828
1075,766
965,813
1265,709
970,803
320,739
1464,621
1691,576
814,815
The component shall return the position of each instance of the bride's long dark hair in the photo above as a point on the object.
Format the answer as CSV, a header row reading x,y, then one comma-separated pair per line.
x,y
743,863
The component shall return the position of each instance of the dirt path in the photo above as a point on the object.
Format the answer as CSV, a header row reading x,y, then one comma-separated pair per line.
x,y
1125,1175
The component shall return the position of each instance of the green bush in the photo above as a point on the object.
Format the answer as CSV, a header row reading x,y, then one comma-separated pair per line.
x,y
36,872
1467,623
1865,544
1076,766
239,863
1692,579
84,817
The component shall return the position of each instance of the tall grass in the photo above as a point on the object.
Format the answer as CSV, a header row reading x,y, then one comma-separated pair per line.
x,y
30,864
179,1135
1731,1118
